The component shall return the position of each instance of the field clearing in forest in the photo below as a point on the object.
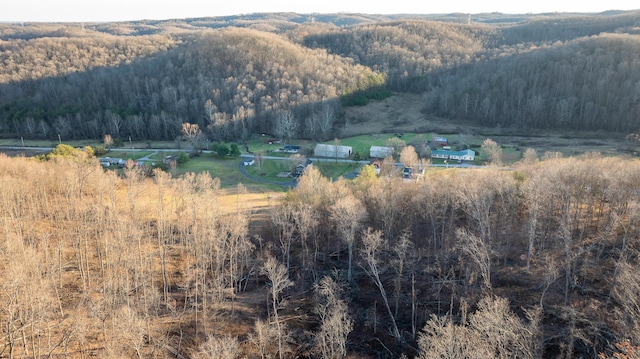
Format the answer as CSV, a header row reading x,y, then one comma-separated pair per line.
x,y
404,114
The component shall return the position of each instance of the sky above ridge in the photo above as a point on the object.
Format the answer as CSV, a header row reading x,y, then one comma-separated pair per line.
x,y
127,10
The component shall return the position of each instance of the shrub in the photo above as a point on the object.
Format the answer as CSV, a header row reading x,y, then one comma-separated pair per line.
x,y
234,150
183,158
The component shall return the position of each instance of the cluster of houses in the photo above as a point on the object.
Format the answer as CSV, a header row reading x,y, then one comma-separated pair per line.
x,y
336,151
444,151
440,150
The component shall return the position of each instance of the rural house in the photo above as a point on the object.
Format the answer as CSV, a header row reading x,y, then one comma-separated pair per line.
x,y
466,155
301,167
248,161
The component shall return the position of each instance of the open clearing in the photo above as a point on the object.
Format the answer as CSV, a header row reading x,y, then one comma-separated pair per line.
x,y
404,113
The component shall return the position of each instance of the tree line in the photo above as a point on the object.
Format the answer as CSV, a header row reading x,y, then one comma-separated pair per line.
x,y
540,261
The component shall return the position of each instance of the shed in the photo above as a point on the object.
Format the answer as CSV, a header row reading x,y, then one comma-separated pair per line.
x,y
380,151
323,150
440,141
248,161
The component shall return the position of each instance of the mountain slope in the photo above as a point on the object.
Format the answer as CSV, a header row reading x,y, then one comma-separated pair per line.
x,y
248,75
237,75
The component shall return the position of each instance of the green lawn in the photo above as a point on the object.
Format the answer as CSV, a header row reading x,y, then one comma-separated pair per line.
x,y
335,170
226,169
270,169
134,155
328,168
257,144
47,143
362,144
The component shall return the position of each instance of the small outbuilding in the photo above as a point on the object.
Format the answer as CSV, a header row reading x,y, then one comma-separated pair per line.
x,y
441,141
301,168
380,151
323,150
248,161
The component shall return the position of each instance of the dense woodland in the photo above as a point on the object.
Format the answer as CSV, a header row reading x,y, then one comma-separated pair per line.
x,y
235,76
538,262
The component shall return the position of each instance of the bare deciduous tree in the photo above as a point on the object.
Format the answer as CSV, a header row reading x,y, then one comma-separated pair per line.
x,y
409,157
479,252
626,293
534,190
326,118
402,253
492,151
335,323
192,133
493,331
442,338
348,214
259,158
284,222
529,157
226,347
129,328
108,141
277,274
372,241
285,126
262,337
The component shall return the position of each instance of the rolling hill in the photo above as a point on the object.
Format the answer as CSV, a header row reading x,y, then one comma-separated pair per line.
x,y
237,75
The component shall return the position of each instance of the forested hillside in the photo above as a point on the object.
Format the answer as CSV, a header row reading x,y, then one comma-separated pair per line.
x,y
585,84
557,72
237,75
540,262
86,87
406,49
